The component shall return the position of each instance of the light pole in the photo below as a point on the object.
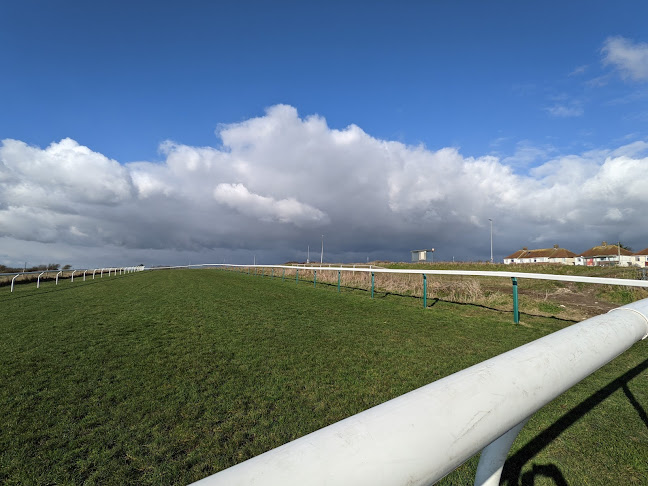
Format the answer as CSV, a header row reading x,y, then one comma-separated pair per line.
x,y
491,225
322,254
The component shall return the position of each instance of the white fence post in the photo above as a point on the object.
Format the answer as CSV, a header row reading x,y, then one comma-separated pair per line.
x,y
73,272
38,280
58,275
12,281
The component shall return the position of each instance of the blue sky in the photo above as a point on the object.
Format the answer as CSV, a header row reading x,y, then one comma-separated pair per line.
x,y
526,82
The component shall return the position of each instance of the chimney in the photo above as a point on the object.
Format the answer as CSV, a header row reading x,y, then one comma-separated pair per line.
x,y
604,243
556,247
525,248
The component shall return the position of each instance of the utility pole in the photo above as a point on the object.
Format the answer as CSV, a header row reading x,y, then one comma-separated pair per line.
x,y
491,227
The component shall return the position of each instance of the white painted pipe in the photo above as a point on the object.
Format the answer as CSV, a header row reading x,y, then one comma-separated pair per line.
x,y
58,275
467,273
84,273
38,280
101,274
93,273
493,457
73,272
12,281
421,436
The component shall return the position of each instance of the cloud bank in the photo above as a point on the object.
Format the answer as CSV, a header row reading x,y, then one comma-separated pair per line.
x,y
278,182
630,58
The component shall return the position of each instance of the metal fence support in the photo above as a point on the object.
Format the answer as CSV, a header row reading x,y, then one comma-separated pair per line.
x,y
516,312
283,275
12,281
493,456
297,275
424,291
93,273
314,278
339,274
38,280
73,272
372,284
58,275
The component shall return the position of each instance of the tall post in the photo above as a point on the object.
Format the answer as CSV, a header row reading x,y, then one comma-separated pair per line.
x,y
516,313
491,227
424,291
372,285
339,272
314,278
297,275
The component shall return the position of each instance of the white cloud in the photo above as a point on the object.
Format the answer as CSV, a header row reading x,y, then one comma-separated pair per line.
x,y
279,182
565,111
629,58
289,210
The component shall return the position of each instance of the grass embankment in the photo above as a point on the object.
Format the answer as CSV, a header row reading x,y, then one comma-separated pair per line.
x,y
166,377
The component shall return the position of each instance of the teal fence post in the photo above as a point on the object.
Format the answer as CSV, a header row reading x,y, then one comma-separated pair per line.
x,y
315,278
372,284
339,280
516,312
424,291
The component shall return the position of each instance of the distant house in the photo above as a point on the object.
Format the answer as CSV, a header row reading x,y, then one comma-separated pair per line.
x,y
604,254
640,258
423,255
542,255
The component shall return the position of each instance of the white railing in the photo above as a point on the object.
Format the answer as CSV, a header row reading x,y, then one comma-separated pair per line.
x,y
421,436
467,273
71,271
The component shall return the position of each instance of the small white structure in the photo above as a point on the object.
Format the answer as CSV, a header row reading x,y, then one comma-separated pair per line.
x,y
423,255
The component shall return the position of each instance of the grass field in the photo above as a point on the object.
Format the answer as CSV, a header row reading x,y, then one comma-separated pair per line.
x,y
166,377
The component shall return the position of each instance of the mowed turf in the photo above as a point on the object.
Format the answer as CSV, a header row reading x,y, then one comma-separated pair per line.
x,y
166,377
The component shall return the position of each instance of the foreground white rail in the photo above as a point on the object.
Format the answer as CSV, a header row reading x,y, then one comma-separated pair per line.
x,y
421,436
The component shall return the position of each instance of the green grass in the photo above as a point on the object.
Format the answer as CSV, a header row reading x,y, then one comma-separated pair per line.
x,y
166,377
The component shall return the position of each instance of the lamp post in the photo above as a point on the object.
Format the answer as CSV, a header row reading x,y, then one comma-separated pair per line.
x,y
491,234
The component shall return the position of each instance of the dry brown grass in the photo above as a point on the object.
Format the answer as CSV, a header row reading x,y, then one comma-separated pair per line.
x,y
569,301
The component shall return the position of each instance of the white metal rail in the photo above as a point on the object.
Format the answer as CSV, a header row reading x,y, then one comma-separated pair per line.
x,y
57,272
421,436
467,273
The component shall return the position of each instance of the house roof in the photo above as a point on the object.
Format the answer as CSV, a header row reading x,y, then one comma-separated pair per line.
x,y
554,252
605,250
642,252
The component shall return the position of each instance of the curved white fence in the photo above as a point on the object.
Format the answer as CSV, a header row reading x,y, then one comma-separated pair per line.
x,y
71,271
421,436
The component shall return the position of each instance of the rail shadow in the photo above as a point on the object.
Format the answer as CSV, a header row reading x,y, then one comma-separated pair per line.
x,y
512,473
